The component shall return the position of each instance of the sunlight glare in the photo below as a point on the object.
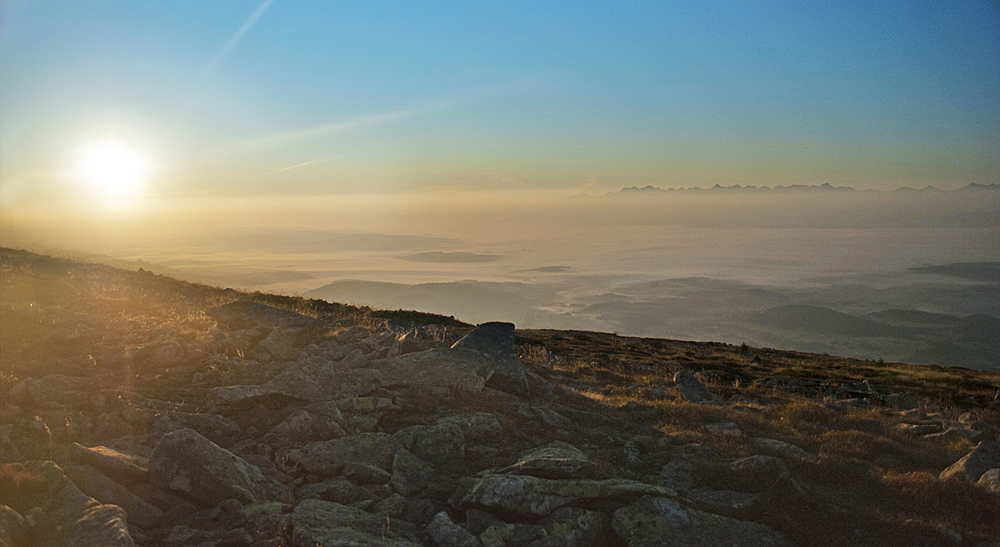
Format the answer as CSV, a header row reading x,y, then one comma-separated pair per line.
x,y
112,169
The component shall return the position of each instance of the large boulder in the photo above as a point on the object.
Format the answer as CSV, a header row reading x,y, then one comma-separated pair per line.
x,y
317,422
328,457
693,390
982,458
246,315
527,496
479,427
661,522
110,462
316,522
461,369
446,533
556,460
187,462
496,341
574,527
305,381
411,475
94,484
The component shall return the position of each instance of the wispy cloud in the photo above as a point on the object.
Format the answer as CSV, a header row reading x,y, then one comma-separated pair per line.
x,y
288,137
250,22
297,165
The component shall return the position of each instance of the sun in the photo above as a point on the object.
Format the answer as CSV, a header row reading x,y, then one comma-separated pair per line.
x,y
112,169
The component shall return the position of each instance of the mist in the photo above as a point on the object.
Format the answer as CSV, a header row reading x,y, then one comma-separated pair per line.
x,y
816,271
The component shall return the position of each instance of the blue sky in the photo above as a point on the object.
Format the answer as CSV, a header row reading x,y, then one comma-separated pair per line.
x,y
331,97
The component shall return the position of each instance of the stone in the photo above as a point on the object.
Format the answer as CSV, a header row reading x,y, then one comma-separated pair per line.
x,y
49,391
459,369
187,462
526,495
677,475
990,480
953,434
13,532
329,457
726,502
556,460
544,414
441,444
317,422
662,522
781,449
365,405
126,467
693,390
723,428
363,473
354,359
105,490
446,533
303,381
315,522
410,474
918,429
972,466
337,490
496,341
479,427
214,427
575,527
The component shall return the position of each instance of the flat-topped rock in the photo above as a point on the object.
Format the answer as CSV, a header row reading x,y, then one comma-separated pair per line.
x,y
556,460
245,315
496,341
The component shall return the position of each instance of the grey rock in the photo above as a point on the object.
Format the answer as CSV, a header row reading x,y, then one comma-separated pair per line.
x,y
13,531
410,474
693,390
990,480
329,457
315,522
781,449
662,522
245,315
393,507
954,434
49,391
187,462
363,473
726,502
556,460
305,381
496,341
544,414
972,466
525,495
105,490
460,369
574,527
338,490
918,429
446,533
677,475
479,427
723,428
317,422
112,463
185,536
441,444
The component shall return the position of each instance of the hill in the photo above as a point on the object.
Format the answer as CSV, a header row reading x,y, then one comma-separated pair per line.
x,y
138,409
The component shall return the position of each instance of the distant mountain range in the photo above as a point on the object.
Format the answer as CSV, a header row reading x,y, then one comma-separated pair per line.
x,y
826,187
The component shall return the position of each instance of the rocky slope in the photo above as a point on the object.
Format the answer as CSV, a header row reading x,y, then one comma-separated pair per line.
x,y
139,410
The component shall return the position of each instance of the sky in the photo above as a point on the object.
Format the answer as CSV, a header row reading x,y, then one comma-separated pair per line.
x,y
290,98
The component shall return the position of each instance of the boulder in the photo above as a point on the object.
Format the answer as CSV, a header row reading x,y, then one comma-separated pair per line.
x,y
460,369
304,381
496,341
526,495
94,484
479,427
329,457
442,444
972,466
918,429
247,315
990,480
48,391
410,474
187,462
446,533
13,531
556,460
574,527
780,449
662,522
693,390
316,522
317,422
125,467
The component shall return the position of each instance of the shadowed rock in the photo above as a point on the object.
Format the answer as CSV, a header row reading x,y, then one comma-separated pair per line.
x,y
316,522
187,462
496,341
973,465
662,522
693,390
105,490
557,460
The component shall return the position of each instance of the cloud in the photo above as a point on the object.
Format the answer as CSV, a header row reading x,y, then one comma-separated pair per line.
x,y
238,36
297,165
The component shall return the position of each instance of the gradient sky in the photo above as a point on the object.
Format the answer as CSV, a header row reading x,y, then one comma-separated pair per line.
x,y
313,97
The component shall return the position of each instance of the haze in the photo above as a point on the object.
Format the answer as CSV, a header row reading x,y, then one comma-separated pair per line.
x,y
469,159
